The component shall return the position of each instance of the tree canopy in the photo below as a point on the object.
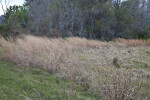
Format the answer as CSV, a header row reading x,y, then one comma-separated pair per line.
x,y
95,19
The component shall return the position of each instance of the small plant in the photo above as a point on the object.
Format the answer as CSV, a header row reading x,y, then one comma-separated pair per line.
x,y
116,62
73,80
146,65
42,74
129,51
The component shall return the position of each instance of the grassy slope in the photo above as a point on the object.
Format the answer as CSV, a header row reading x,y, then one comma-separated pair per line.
x,y
92,59
17,83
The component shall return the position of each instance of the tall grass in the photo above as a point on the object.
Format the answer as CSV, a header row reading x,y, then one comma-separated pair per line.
x,y
41,51
51,55
133,42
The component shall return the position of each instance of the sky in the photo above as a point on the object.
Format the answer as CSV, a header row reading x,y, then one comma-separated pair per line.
x,y
10,3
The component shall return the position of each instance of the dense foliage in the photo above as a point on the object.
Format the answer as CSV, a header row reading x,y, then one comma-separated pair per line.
x,y
16,18
96,19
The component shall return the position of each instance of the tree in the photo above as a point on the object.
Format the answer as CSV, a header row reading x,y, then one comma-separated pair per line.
x,y
96,19
84,18
15,18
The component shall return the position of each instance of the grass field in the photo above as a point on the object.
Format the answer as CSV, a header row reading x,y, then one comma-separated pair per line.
x,y
75,68
20,83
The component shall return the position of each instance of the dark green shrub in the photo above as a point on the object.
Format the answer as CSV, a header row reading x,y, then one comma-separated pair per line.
x,y
116,62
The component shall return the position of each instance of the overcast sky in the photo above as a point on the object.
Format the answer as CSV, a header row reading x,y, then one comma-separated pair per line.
x,y
10,3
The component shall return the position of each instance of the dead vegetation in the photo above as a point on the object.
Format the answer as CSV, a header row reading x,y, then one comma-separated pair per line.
x,y
132,42
98,66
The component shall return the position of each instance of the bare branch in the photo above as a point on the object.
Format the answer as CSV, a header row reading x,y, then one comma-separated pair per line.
x,y
4,6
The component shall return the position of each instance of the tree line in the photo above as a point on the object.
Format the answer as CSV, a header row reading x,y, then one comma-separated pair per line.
x,y
94,19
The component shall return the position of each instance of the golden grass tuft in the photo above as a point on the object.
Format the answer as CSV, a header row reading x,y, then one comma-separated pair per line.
x,y
133,42
41,51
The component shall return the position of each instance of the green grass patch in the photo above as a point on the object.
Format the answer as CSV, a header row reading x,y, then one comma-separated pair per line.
x,y
148,52
20,83
141,65
82,58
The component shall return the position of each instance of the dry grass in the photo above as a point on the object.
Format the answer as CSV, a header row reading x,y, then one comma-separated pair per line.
x,y
87,62
111,82
41,51
132,42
